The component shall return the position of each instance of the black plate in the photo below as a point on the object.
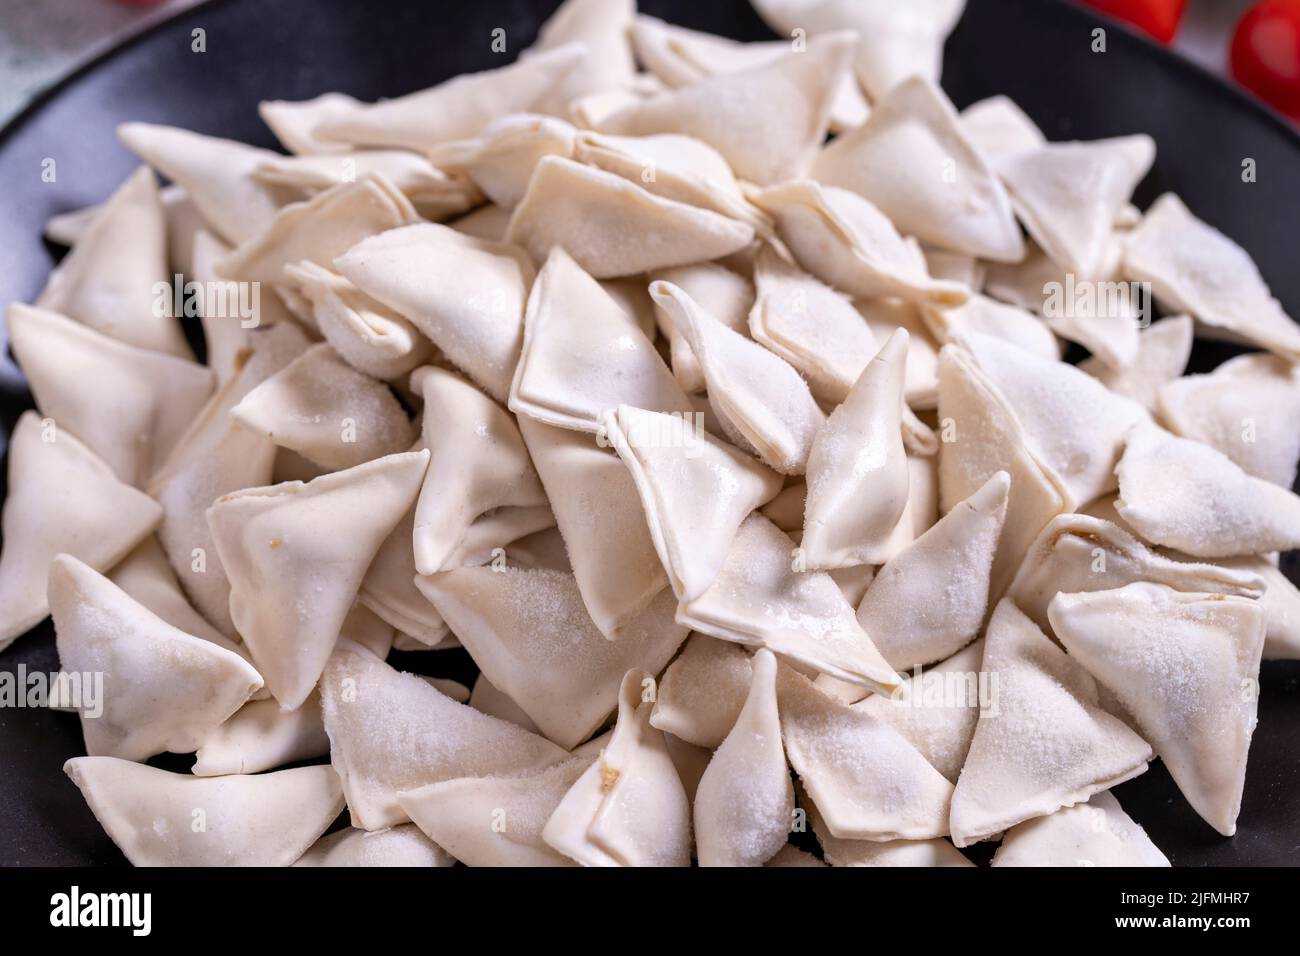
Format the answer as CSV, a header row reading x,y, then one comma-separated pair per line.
x,y
1037,52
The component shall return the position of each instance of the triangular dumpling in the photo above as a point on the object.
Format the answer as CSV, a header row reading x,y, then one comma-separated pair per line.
x,y
744,804
983,437
292,121
174,819
142,401
217,175
767,122
604,526
1181,494
703,691
724,294
760,599
320,229
600,27
113,277
62,499
391,732
261,736
893,41
500,160
1163,350
327,411
389,590
680,168
530,633
679,57
1076,553
930,600
583,354
496,820
1042,742
914,162
980,314
849,244
1069,195
146,577
403,846
370,337
592,213
1072,423
1186,667
695,492
216,456
1000,129
1096,833
760,398
456,109
296,554
1194,268
1246,408
857,469
629,807
937,708
466,295
867,780
480,469
164,690
810,325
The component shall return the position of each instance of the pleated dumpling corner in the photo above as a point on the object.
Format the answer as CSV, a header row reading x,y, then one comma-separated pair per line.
x,y
247,820
495,820
744,805
767,122
612,227
629,808
1194,268
480,474
695,492
583,354
1186,667
1042,741
62,500
1096,833
465,294
500,161
931,599
296,555
1000,129
857,468
866,779
456,109
325,410
261,736
143,400
1244,408
761,400
848,243
599,514
530,633
164,690
117,271
761,599
392,732
1182,494
914,162
403,846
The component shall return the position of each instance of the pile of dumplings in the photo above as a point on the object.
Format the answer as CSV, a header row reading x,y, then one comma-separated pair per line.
x,y
705,394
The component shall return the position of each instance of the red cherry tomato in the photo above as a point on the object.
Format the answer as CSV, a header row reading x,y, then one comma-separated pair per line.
x,y
1266,53
1157,17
